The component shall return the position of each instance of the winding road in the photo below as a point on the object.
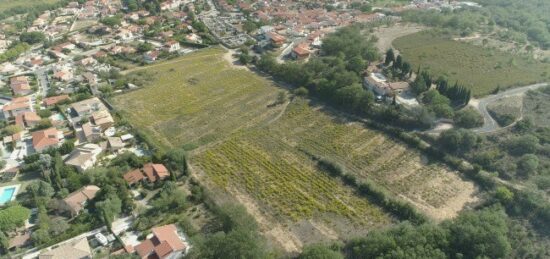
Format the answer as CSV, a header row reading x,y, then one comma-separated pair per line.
x,y
490,124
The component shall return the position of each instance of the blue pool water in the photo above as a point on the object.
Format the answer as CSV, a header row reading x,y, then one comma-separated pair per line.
x,y
6,195
57,117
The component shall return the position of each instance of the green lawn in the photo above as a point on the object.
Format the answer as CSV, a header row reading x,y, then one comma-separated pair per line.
x,y
478,68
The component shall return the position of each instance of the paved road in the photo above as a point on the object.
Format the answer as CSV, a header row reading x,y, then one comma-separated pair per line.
x,y
42,77
490,124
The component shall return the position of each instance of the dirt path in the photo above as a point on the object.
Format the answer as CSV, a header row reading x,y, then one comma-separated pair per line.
x,y
490,125
386,35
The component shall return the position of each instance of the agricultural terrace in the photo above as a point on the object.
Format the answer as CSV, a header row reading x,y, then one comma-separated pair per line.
x,y
197,99
430,186
481,69
9,4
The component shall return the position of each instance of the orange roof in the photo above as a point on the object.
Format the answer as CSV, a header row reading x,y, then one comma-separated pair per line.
x,y
44,138
133,176
300,51
163,249
169,233
144,248
26,118
17,103
54,99
155,172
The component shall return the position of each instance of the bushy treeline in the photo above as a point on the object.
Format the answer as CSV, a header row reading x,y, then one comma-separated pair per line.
x,y
476,234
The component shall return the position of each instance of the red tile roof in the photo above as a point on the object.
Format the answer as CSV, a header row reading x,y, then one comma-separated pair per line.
x,y
44,138
133,176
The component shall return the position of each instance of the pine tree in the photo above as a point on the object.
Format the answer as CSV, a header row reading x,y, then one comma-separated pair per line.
x,y
390,57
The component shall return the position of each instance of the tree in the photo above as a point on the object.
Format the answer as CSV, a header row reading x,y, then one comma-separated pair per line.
x,y
41,189
468,118
390,57
419,85
176,160
66,147
479,235
109,208
398,63
526,144
235,244
528,165
32,37
504,195
12,217
12,129
4,242
249,26
144,47
319,252
111,21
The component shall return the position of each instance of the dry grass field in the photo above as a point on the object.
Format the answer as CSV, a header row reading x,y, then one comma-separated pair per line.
x,y
198,99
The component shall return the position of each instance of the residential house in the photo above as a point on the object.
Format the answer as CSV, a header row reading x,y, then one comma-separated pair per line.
x,y
115,144
89,61
134,177
377,83
17,106
84,157
92,133
79,249
150,172
44,139
85,108
75,202
63,75
103,119
90,78
27,119
166,242
275,39
125,35
20,85
172,46
155,172
151,56
51,101
300,52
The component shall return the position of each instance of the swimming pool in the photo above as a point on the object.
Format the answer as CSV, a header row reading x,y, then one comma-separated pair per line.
x,y
57,117
8,193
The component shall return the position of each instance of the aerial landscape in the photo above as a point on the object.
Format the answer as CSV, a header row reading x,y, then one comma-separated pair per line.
x,y
316,129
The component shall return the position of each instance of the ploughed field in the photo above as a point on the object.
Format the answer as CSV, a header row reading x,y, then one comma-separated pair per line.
x,y
261,152
478,68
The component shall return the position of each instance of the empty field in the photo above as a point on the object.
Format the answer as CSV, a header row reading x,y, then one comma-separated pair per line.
x,y
478,68
197,99
260,153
